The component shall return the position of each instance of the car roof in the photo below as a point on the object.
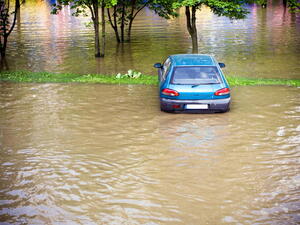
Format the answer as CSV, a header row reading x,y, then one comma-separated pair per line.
x,y
192,60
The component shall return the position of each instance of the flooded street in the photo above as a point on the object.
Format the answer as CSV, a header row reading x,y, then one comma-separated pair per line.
x,y
266,44
97,154
105,154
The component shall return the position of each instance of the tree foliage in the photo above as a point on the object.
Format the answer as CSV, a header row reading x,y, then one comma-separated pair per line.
x,y
293,5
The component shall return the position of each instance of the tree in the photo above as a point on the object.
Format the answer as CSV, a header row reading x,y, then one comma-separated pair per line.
x,y
293,5
6,25
229,8
80,7
122,15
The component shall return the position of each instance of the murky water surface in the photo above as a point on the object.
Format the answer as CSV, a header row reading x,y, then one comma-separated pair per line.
x,y
105,154
266,44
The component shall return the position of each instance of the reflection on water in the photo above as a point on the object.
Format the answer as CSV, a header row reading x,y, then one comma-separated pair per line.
x,y
97,154
266,44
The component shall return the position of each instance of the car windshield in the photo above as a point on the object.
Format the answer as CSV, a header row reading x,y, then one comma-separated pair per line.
x,y
196,75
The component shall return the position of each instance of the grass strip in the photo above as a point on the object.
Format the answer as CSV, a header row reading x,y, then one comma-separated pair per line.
x,y
45,77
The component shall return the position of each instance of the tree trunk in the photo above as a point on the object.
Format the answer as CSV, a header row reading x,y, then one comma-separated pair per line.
x,y
129,30
285,3
103,30
116,24
96,28
18,3
1,47
195,35
132,17
5,30
19,19
4,45
123,22
191,26
3,64
18,14
113,23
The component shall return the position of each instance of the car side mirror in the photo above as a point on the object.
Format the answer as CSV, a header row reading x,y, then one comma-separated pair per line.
x,y
222,65
157,65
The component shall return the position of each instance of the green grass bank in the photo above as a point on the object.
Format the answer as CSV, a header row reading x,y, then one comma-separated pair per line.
x,y
45,77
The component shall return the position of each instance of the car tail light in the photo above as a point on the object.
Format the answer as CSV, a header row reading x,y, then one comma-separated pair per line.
x,y
176,106
169,92
223,91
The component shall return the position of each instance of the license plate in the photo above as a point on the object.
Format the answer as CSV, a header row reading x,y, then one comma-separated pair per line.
x,y
196,106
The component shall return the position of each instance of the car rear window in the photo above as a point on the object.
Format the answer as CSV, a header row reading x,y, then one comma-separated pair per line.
x,y
196,75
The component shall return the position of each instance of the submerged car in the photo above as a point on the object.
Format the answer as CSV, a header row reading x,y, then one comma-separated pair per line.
x,y
192,83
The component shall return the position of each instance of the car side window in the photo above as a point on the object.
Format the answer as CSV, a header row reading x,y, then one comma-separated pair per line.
x,y
166,68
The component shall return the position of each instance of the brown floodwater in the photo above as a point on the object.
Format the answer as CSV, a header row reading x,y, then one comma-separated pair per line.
x,y
265,44
106,154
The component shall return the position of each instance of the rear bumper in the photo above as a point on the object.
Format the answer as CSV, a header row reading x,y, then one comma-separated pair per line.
x,y
214,105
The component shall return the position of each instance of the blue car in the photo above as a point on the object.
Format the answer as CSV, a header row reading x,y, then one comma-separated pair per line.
x,y
192,83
